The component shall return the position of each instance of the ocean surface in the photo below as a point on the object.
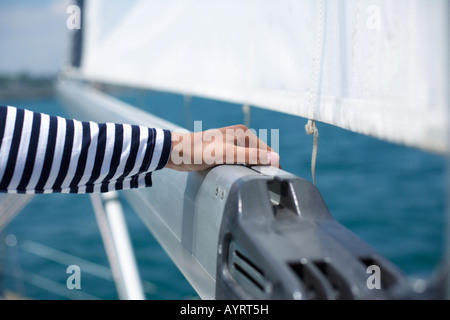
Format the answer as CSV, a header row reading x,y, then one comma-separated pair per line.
x,y
391,196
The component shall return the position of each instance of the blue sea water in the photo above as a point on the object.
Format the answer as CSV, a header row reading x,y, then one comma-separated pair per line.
x,y
391,196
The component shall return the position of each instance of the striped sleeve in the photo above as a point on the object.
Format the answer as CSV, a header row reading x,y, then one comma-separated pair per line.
x,y
47,154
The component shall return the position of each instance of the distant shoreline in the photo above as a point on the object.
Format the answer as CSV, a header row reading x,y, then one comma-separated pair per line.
x,y
26,87
26,94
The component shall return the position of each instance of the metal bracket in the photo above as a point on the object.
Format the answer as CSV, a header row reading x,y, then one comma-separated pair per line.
x,y
279,241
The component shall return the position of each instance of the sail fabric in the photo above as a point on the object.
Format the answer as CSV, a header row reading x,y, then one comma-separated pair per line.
x,y
374,67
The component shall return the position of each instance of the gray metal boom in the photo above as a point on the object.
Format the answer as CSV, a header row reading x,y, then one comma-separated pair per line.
x,y
241,233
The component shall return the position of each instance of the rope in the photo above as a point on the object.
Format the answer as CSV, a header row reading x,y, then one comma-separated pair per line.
x,y
314,93
246,110
311,129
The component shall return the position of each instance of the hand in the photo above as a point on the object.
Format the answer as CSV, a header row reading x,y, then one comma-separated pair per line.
x,y
229,145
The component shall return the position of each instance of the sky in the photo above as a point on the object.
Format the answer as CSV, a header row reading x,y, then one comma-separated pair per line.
x,y
33,36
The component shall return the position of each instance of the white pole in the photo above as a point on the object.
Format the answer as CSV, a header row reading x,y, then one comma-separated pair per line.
x,y
11,205
118,246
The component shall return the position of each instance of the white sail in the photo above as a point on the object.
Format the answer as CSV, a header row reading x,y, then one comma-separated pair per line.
x,y
374,67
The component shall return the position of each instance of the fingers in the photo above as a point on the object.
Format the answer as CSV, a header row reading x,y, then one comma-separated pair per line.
x,y
229,145
241,136
254,156
248,148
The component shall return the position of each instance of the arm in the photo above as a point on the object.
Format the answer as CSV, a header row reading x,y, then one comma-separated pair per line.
x,y
47,154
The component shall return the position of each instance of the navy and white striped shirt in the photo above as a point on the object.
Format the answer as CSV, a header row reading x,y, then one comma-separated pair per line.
x,y
47,154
